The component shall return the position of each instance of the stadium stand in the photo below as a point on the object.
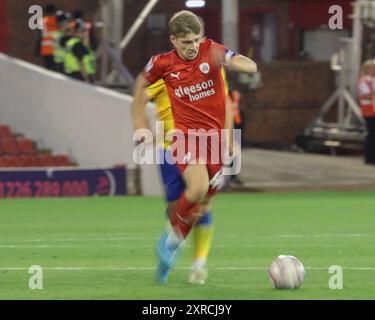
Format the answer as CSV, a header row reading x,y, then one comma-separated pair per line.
x,y
94,137
17,151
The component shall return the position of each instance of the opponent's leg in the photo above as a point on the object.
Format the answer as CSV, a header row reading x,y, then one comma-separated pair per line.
x,y
202,237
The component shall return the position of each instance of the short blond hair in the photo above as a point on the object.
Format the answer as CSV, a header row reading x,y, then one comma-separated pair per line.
x,y
185,22
366,65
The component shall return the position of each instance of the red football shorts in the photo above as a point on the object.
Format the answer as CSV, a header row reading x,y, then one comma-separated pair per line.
x,y
199,148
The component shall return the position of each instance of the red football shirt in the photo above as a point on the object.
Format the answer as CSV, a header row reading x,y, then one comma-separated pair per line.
x,y
195,87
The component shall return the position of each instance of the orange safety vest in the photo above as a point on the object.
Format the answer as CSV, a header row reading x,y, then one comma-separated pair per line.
x,y
367,105
48,32
234,106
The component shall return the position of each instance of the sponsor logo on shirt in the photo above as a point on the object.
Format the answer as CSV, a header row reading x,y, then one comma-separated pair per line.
x,y
196,92
176,75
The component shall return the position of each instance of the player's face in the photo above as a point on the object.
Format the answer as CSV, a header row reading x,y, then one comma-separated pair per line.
x,y
187,47
371,70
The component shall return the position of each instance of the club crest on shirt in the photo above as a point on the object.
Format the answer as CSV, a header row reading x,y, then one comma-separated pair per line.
x,y
204,67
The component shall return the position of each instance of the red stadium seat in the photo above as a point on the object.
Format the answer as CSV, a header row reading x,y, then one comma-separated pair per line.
x,y
62,160
46,160
30,160
33,160
22,152
21,160
26,146
9,146
12,161
3,162
5,132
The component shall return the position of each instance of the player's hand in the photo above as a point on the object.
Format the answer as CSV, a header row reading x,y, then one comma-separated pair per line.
x,y
143,136
236,149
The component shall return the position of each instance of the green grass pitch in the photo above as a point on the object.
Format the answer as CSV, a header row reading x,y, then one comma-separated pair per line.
x,y
103,248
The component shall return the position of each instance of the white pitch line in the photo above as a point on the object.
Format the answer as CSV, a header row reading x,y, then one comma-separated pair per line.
x,y
150,246
349,235
45,246
80,239
238,236
180,268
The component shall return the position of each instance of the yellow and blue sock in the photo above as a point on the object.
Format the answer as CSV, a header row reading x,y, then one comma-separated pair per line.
x,y
202,236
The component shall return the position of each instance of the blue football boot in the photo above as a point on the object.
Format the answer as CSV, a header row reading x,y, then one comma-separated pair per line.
x,y
167,259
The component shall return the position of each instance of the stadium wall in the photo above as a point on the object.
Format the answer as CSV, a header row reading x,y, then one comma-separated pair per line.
x,y
4,28
91,124
291,95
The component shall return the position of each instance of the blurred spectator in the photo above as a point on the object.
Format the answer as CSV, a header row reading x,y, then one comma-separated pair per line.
x,y
234,122
233,102
80,61
63,19
366,96
78,14
90,34
45,43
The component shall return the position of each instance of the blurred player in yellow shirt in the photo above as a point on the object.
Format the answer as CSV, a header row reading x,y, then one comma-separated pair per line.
x,y
174,185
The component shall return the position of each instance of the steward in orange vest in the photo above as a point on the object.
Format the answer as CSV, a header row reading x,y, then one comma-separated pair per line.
x,y
366,95
48,34
366,98
50,27
233,103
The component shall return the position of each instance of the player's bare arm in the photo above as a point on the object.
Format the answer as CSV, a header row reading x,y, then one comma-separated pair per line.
x,y
241,63
140,120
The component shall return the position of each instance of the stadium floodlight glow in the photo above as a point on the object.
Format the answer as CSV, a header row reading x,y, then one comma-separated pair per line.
x,y
195,3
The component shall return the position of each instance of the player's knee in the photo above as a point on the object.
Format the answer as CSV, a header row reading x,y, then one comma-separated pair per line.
x,y
198,189
197,183
197,192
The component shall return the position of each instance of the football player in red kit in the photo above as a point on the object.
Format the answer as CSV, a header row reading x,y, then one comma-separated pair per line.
x,y
192,75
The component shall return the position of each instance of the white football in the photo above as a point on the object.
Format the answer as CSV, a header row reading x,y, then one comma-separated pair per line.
x,y
286,272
